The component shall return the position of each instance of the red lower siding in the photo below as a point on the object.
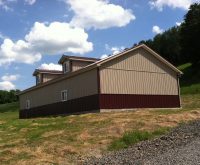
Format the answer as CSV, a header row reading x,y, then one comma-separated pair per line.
x,y
118,101
102,101
75,106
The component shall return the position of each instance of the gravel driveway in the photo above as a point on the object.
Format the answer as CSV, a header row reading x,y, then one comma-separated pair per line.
x,y
181,146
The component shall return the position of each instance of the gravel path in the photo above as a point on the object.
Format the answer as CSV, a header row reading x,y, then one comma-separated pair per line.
x,y
181,146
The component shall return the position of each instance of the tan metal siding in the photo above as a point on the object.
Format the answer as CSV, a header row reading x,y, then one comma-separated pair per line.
x,y
76,65
133,82
47,77
82,85
138,73
140,60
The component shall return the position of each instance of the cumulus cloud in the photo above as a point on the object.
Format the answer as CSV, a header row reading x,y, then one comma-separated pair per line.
x,y
157,30
6,83
99,14
182,4
20,51
58,37
10,77
50,66
114,50
178,23
45,39
104,56
30,2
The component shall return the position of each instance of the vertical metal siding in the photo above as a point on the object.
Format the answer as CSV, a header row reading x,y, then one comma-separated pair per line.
x,y
138,73
76,65
47,77
125,101
79,105
139,60
133,82
82,85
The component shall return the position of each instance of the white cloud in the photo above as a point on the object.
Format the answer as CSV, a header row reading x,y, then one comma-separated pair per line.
x,y
4,4
178,23
114,50
2,36
50,66
99,14
104,56
30,2
6,85
157,30
10,77
57,38
20,51
182,4
45,39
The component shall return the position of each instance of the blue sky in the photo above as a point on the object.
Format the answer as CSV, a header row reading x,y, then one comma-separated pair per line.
x,y
35,33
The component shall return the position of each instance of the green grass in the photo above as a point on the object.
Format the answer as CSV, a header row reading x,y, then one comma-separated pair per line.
x,y
190,80
10,107
58,139
130,138
190,89
52,139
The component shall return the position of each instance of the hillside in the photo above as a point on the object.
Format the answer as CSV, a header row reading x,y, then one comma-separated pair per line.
x,y
69,139
190,81
59,140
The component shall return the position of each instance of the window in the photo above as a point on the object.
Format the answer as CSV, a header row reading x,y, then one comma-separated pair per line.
x,y
38,79
64,95
28,104
66,67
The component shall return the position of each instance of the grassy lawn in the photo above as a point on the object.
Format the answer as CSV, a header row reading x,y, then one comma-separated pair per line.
x,y
65,140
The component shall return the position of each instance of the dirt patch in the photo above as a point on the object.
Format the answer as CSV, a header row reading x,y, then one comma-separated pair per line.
x,y
2,122
84,135
53,133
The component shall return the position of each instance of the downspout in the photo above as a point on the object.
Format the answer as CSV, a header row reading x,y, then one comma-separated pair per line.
x,y
179,93
99,88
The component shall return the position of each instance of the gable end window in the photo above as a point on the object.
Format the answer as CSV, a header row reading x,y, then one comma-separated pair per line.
x,y
66,67
28,104
64,95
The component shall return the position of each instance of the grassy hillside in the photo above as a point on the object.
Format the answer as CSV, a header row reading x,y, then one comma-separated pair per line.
x,y
66,140
190,81
62,140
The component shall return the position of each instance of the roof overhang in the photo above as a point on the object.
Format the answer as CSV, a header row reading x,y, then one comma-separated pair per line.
x,y
77,58
37,71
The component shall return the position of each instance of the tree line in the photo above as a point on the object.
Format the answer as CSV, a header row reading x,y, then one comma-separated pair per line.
x,y
9,96
180,44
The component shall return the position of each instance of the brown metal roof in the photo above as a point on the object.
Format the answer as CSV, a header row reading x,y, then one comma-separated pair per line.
x,y
101,62
77,58
46,71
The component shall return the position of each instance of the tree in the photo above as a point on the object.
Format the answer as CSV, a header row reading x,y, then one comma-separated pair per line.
x,y
8,96
190,35
167,45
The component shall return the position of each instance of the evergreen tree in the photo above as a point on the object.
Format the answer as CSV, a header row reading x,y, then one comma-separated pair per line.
x,y
190,35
